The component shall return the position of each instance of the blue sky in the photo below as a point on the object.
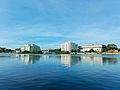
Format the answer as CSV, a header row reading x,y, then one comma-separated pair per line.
x,y
49,23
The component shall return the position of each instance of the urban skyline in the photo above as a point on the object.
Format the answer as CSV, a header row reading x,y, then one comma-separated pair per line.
x,y
63,46
49,23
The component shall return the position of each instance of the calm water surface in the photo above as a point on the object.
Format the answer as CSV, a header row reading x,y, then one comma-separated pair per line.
x,y
67,72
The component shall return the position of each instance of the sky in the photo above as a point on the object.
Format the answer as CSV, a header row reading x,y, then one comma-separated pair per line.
x,y
49,23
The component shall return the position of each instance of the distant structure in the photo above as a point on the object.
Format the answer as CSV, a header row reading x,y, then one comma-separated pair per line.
x,y
30,48
69,46
95,47
18,50
45,51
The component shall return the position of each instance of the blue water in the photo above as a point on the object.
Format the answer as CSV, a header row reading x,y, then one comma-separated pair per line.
x,y
57,72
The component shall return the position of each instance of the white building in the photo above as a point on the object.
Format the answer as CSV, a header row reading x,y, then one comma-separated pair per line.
x,y
18,50
45,51
30,48
95,47
68,46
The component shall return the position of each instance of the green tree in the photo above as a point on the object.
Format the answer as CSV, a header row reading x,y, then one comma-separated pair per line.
x,y
112,47
91,50
57,51
26,52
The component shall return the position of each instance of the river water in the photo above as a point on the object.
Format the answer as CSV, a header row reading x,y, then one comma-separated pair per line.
x,y
57,72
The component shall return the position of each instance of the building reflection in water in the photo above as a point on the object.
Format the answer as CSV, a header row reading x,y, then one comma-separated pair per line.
x,y
109,60
69,60
29,59
99,59
92,59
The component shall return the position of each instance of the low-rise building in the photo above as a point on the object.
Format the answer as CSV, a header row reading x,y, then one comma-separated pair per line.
x,y
69,46
95,47
30,48
45,51
18,50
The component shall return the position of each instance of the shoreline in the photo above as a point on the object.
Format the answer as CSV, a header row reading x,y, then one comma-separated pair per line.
x,y
73,53
98,53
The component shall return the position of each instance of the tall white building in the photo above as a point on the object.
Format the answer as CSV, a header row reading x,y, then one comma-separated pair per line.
x,y
30,48
68,46
95,47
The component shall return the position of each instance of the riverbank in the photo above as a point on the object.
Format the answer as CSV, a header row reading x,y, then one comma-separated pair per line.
x,y
71,53
100,53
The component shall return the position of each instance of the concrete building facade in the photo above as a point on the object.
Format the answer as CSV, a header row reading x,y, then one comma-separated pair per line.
x,y
30,48
95,47
69,46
